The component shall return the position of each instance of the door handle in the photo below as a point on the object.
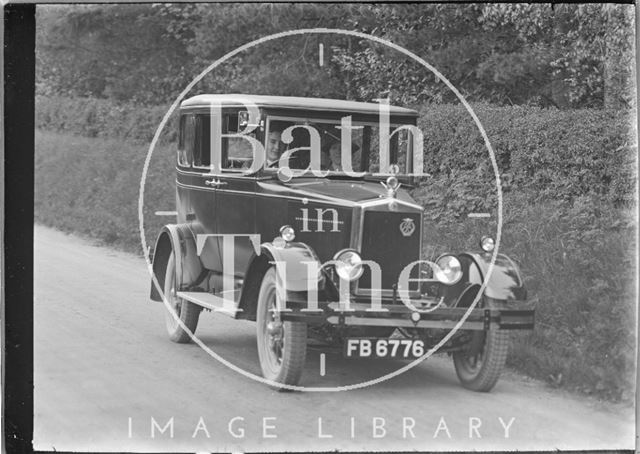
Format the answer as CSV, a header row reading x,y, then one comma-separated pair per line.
x,y
214,183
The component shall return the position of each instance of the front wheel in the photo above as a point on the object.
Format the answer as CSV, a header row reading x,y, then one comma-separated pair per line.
x,y
480,364
282,345
186,311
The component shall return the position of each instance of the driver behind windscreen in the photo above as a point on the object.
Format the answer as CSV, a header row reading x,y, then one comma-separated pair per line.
x,y
274,148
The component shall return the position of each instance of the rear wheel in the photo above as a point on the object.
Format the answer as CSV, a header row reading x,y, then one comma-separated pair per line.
x,y
186,311
480,364
282,345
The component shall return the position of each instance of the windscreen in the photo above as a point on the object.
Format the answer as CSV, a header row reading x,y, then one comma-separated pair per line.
x,y
341,145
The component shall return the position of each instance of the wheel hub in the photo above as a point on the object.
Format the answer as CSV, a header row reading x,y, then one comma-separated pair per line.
x,y
274,330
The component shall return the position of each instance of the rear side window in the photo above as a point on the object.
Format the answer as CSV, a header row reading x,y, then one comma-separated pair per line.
x,y
194,143
187,140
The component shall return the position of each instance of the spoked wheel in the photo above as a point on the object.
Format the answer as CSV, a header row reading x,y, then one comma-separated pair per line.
x,y
282,345
185,310
480,364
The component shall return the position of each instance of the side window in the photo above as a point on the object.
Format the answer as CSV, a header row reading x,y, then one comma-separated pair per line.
x,y
186,140
181,133
195,143
202,145
237,152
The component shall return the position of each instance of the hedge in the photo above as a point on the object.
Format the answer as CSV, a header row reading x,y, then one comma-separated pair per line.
x,y
103,118
548,152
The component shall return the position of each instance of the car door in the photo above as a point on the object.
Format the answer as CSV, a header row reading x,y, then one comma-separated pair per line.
x,y
196,192
236,201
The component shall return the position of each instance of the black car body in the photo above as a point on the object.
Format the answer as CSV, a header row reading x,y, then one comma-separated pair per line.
x,y
297,253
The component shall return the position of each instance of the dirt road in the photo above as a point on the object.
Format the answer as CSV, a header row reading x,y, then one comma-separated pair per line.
x,y
107,378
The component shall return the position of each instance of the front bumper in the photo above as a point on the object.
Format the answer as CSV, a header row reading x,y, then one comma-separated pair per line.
x,y
518,316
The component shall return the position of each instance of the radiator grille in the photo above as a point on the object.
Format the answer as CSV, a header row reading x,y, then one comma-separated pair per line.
x,y
384,243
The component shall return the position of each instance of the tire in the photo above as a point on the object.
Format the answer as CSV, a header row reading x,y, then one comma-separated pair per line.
x,y
186,311
282,346
480,364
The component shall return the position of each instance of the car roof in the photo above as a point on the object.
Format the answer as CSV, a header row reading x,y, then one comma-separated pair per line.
x,y
292,102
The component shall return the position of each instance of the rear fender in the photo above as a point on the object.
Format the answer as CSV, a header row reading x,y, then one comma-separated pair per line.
x,y
179,239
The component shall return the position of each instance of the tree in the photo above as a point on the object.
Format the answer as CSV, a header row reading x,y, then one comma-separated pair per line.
x,y
561,55
548,55
589,48
108,51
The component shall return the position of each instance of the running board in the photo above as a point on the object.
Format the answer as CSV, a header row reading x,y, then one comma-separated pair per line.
x,y
212,302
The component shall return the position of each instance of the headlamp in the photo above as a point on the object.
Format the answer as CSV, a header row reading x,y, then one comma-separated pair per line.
x,y
448,269
287,233
487,244
348,265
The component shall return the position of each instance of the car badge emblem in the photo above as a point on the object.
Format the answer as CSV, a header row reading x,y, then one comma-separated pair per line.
x,y
407,227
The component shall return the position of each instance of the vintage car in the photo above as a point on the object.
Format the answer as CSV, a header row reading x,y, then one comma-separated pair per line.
x,y
275,225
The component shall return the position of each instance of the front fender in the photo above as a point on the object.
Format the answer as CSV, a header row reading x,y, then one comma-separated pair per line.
x,y
179,239
505,282
297,277
297,259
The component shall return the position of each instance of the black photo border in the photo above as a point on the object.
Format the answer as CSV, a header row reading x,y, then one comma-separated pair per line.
x,y
17,214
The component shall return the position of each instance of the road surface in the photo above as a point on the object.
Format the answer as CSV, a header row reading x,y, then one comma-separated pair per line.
x,y
108,379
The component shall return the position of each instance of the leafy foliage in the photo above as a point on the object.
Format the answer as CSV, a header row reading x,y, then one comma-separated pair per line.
x,y
103,118
537,54
108,51
589,47
561,55
546,153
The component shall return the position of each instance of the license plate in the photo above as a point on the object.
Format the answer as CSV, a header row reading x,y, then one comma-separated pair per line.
x,y
361,347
